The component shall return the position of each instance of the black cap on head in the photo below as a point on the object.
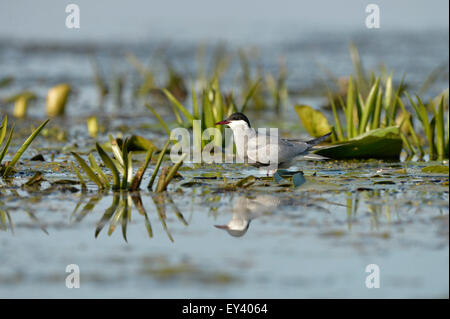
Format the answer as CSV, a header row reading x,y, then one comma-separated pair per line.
x,y
238,116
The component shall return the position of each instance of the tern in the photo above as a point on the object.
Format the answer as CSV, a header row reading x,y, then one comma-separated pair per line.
x,y
271,152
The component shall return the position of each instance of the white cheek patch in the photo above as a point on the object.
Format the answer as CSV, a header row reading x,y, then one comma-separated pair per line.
x,y
238,124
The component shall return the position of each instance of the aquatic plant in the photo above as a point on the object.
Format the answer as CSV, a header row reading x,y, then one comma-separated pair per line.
x,y
21,101
212,109
378,126
121,167
435,131
57,99
92,126
6,169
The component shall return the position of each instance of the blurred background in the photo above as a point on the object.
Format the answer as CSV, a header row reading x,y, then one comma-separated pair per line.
x,y
310,39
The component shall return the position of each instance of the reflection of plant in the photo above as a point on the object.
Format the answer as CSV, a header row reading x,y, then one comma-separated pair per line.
x,y
6,221
7,168
121,168
119,212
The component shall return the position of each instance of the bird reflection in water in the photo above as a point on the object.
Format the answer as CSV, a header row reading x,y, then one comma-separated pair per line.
x,y
247,208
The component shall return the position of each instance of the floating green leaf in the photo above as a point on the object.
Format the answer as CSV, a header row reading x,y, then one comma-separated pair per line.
x,y
315,123
383,143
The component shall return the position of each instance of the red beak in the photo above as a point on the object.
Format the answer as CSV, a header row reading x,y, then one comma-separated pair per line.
x,y
221,226
223,122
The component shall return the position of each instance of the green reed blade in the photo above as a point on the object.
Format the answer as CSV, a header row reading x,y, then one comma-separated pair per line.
x,y
124,184
23,148
369,106
8,141
339,132
98,170
195,103
414,136
207,113
116,151
388,98
80,177
3,128
90,173
250,94
130,169
159,118
440,131
359,111
158,164
428,126
178,105
377,113
110,164
349,108
136,182
172,173
447,140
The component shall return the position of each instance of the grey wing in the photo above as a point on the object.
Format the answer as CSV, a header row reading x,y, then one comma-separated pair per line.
x,y
280,152
297,147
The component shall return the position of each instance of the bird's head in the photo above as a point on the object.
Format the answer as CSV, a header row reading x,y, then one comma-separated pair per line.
x,y
236,120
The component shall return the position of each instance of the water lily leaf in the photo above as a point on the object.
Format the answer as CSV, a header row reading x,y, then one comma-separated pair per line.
x,y
383,143
314,121
298,179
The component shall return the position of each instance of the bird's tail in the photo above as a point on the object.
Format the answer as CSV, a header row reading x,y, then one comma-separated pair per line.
x,y
318,140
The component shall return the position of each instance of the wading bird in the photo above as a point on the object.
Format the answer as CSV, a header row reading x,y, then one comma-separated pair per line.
x,y
266,150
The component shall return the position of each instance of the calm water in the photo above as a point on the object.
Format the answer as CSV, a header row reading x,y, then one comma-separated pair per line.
x,y
313,241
